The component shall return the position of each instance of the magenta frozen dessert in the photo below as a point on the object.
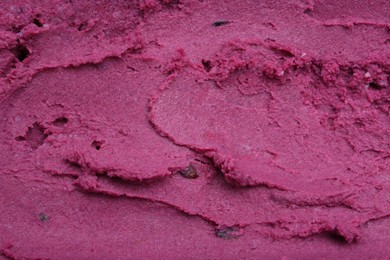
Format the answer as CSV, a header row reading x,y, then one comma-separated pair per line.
x,y
194,129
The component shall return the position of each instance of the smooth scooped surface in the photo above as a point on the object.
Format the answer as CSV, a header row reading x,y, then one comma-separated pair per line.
x,y
170,128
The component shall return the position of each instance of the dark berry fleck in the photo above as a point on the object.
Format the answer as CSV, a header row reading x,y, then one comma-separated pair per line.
x,y
43,217
219,23
189,172
228,232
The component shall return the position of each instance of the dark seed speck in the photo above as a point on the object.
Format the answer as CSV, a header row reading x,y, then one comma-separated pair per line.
x,y
220,23
189,172
43,217
228,232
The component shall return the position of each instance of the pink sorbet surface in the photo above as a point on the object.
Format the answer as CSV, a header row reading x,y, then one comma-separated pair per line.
x,y
191,129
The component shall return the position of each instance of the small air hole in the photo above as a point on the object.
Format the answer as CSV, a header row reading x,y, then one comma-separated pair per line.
x,y
20,52
20,138
37,22
82,27
61,121
206,65
336,238
375,86
17,29
307,11
97,145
